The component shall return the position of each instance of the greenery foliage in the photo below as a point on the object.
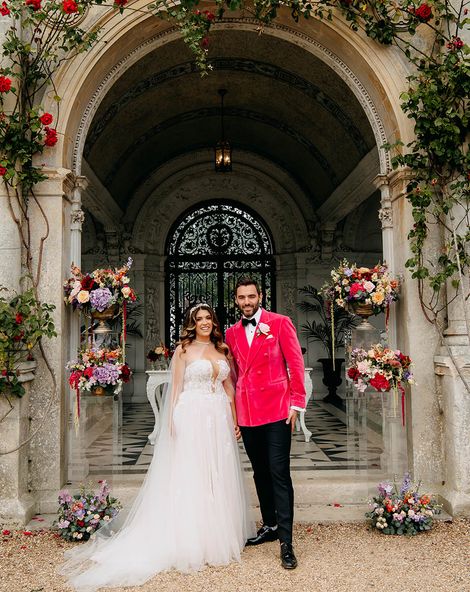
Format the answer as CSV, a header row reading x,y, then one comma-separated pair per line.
x,y
23,322
320,330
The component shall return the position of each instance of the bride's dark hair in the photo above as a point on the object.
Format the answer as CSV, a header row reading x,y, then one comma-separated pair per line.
x,y
188,335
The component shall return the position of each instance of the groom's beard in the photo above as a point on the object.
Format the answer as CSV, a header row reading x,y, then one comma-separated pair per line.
x,y
249,311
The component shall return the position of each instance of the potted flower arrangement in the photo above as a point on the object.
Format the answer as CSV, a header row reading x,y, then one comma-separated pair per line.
x,y
98,370
380,367
159,357
402,511
80,515
101,292
367,291
329,330
23,322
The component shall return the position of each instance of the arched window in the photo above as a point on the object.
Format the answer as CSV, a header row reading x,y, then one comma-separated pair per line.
x,y
208,249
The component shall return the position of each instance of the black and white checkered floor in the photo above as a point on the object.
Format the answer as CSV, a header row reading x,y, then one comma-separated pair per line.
x,y
334,444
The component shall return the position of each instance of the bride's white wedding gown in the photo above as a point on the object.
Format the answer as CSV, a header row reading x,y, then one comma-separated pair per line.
x,y
192,508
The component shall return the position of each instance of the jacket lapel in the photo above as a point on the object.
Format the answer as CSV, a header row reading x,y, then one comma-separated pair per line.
x,y
240,340
257,339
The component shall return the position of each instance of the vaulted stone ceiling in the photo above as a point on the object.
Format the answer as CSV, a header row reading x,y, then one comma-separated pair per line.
x,y
282,103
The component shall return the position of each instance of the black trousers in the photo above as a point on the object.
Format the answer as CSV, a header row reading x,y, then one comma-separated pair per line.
x,y
268,448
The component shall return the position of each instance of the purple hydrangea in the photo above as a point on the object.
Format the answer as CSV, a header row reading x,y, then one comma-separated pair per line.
x,y
106,374
64,497
101,298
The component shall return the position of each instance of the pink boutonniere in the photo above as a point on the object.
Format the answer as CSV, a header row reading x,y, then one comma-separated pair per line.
x,y
263,329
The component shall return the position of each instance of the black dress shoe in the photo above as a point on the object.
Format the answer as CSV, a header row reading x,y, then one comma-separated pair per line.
x,y
265,534
288,559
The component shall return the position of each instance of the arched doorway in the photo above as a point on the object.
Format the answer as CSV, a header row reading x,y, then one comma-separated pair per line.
x,y
208,249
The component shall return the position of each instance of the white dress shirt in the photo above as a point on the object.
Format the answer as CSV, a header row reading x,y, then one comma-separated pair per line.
x,y
250,331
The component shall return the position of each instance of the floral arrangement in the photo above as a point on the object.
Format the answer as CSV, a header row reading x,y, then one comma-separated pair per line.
x,y
98,367
99,289
23,322
380,367
82,514
402,511
161,354
352,284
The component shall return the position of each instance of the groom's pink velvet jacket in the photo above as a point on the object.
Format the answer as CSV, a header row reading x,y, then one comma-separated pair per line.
x,y
265,390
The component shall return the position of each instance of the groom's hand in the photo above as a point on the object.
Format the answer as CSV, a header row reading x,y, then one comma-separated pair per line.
x,y
292,419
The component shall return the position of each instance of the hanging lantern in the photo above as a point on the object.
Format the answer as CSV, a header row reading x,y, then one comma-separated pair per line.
x,y
222,150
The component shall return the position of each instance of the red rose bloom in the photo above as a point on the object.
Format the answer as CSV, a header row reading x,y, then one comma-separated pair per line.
x,y
205,43
88,372
210,16
4,10
4,372
120,3
80,523
35,4
5,84
18,318
353,373
6,532
51,136
380,383
74,379
3,171
355,288
424,12
125,373
69,6
87,283
46,119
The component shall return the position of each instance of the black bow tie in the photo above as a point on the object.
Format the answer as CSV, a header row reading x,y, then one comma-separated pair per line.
x,y
246,322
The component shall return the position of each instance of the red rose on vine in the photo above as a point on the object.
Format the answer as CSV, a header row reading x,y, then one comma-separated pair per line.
x,y
205,42
35,4
4,10
69,6
46,119
3,171
125,373
5,84
18,318
120,3
353,373
51,136
424,12
210,16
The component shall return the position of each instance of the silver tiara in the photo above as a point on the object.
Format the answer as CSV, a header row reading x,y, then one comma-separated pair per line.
x,y
196,306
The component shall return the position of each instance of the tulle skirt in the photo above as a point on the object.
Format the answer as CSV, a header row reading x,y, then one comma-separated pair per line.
x,y
191,511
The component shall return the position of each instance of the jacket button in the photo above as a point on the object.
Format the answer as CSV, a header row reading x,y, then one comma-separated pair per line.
x,y
261,388
265,355
259,372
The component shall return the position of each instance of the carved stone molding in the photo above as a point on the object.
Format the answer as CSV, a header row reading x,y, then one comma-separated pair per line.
x,y
77,217
386,217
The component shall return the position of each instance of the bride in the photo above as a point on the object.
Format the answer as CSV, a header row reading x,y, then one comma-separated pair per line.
x,y
192,509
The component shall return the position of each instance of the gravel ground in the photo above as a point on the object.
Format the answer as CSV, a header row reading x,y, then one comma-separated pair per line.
x,y
332,558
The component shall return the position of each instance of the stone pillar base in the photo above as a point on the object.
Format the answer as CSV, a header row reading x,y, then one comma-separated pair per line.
x,y
16,512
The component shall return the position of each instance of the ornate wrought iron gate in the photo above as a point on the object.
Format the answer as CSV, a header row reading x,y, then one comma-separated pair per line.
x,y
208,249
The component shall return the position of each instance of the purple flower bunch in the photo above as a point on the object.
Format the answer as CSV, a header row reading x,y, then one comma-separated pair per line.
x,y
106,374
80,515
101,299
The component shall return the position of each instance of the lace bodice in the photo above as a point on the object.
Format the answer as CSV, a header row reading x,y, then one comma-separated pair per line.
x,y
203,375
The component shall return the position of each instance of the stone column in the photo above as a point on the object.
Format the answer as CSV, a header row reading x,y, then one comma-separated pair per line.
x,y
386,219
452,368
416,337
47,458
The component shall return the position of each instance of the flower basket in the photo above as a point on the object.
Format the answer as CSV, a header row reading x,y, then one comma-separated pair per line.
x,y
82,514
366,291
404,511
101,293
159,357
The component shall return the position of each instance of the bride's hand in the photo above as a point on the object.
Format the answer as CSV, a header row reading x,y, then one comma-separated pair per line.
x,y
238,433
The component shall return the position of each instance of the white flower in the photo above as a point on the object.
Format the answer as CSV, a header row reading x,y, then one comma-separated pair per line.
x,y
264,328
74,535
89,512
369,286
411,513
96,516
89,528
79,535
106,518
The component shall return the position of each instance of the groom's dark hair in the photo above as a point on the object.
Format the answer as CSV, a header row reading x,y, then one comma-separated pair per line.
x,y
247,281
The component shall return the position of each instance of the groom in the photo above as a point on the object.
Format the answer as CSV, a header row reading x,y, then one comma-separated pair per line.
x,y
268,398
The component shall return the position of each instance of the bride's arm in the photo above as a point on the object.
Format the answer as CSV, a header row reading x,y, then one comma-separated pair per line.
x,y
230,390
177,377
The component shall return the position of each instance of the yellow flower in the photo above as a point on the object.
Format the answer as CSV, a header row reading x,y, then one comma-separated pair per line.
x,y
377,298
83,296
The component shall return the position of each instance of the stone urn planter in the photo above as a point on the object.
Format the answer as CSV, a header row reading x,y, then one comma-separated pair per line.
x,y
332,379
